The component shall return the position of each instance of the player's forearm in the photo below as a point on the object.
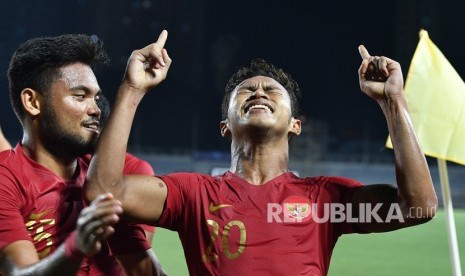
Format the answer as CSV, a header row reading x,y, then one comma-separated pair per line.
x,y
415,187
55,264
106,168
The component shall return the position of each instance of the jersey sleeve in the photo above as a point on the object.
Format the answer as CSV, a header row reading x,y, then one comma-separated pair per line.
x,y
340,189
12,226
181,189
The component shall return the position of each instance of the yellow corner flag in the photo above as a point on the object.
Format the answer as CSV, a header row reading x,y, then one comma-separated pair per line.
x,y
436,99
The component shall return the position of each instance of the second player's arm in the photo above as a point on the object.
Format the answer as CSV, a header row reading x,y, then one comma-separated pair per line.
x,y
142,196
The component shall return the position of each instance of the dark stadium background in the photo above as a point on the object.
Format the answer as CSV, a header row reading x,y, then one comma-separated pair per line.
x,y
314,40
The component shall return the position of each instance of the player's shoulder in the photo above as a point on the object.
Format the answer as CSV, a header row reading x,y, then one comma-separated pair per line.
x,y
130,157
13,158
136,165
15,168
7,155
10,168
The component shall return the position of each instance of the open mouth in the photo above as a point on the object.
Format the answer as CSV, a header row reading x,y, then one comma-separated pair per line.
x,y
261,106
94,126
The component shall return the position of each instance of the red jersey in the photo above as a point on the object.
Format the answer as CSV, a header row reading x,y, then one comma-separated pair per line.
x,y
41,207
229,227
134,165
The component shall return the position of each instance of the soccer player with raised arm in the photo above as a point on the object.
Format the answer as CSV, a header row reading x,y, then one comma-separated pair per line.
x,y
232,224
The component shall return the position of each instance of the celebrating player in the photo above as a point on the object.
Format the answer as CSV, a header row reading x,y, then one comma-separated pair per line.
x,y
231,224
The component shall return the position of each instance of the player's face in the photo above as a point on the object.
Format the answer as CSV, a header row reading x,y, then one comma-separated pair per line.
x,y
261,103
70,116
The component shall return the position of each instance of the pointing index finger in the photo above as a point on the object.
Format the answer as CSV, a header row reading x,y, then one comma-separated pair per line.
x,y
162,38
363,52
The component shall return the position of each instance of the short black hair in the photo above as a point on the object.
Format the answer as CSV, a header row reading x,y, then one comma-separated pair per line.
x,y
36,63
260,67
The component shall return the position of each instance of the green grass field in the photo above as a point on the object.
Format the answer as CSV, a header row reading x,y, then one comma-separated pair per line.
x,y
421,250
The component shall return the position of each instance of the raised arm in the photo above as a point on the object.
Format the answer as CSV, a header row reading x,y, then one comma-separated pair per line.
x,y
381,79
142,196
93,226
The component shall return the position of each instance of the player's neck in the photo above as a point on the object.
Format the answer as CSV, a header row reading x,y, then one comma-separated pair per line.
x,y
62,166
259,163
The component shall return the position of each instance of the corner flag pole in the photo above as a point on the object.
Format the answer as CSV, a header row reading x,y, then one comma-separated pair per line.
x,y
450,221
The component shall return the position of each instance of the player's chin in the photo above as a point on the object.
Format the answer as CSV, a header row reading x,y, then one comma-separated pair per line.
x,y
88,143
90,135
261,125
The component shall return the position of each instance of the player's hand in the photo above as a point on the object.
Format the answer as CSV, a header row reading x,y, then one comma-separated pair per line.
x,y
380,77
94,223
148,67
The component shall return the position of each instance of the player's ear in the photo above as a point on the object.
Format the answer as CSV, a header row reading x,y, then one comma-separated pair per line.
x,y
31,101
295,127
224,128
